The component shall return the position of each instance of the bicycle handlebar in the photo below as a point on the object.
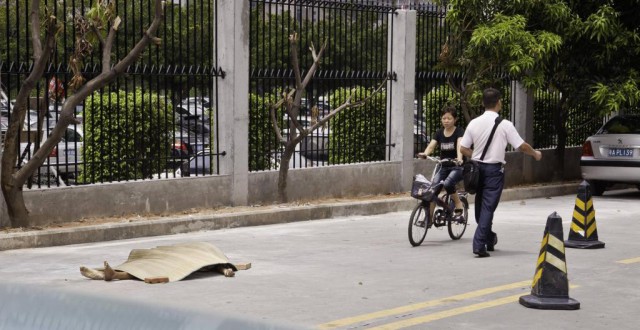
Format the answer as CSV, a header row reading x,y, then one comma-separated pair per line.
x,y
442,161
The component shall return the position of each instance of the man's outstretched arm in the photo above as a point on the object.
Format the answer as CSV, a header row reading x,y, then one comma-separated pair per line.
x,y
527,149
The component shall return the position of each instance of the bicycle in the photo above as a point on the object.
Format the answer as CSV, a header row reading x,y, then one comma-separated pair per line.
x,y
420,220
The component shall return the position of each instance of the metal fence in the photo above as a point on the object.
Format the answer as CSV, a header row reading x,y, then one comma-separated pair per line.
x,y
159,115
579,122
355,61
160,119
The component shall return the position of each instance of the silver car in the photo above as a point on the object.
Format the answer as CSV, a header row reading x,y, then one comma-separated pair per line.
x,y
612,155
66,156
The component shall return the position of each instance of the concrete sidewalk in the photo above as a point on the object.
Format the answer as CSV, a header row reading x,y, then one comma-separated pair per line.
x,y
244,216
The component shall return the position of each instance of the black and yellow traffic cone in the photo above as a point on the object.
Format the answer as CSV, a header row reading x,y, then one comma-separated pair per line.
x,y
550,287
584,233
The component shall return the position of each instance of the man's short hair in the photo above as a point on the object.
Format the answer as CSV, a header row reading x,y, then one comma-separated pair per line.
x,y
490,97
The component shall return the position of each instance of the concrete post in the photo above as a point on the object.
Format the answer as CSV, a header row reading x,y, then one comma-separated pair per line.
x,y
233,95
522,114
522,109
402,58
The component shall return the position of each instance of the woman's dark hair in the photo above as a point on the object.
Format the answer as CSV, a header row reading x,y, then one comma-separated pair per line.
x,y
449,110
490,97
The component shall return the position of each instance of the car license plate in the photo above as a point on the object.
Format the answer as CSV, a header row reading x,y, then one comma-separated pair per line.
x,y
620,152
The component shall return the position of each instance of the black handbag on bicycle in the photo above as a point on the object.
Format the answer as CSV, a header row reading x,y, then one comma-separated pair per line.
x,y
471,168
420,186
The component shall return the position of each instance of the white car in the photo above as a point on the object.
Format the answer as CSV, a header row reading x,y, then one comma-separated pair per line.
x,y
316,144
66,156
612,155
194,106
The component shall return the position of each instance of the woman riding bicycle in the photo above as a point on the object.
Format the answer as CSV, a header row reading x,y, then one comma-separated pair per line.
x,y
448,137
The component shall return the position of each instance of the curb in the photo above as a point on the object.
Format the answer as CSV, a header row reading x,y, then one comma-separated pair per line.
x,y
190,223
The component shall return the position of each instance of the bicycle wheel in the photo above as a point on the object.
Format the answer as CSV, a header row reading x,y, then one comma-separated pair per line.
x,y
457,228
418,224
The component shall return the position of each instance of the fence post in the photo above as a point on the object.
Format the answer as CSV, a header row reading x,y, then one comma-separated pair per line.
x,y
522,107
233,95
402,58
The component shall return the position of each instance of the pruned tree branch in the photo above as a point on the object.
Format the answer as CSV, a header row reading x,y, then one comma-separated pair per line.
x,y
272,114
316,62
66,116
106,49
293,42
41,58
346,105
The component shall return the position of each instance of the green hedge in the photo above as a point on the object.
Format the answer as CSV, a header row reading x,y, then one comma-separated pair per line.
x,y
262,140
357,134
127,136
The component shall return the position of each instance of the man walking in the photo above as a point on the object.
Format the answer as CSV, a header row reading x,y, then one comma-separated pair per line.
x,y
491,164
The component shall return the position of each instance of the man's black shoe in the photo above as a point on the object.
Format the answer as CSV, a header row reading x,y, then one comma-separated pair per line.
x,y
482,254
491,247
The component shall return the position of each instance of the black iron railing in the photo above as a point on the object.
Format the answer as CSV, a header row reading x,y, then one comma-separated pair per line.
x,y
157,120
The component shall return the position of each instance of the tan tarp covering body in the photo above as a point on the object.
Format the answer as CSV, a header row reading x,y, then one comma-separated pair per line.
x,y
175,261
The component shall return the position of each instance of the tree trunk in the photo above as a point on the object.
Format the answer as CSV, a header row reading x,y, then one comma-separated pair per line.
x,y
16,208
284,170
5,221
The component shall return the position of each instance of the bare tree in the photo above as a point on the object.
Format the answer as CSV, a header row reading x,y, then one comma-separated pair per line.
x,y
13,179
291,101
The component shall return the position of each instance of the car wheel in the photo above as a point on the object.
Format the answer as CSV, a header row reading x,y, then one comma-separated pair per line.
x,y
598,187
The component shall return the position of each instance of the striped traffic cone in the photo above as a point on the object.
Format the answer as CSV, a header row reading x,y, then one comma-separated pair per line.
x,y
583,233
550,287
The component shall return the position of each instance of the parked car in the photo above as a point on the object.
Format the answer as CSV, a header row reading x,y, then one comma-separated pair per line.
x,y
194,106
316,144
612,155
6,107
186,143
199,164
66,156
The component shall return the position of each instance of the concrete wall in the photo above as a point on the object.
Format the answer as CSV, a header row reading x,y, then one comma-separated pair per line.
x,y
158,197
327,182
66,204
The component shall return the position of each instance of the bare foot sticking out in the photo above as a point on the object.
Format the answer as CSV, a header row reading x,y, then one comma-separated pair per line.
x,y
91,273
110,274
226,271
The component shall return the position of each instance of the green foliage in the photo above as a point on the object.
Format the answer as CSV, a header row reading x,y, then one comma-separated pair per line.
x,y
262,140
505,44
269,38
617,96
587,51
127,135
357,134
357,40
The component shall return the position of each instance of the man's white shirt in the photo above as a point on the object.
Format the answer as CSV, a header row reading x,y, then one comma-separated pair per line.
x,y
477,134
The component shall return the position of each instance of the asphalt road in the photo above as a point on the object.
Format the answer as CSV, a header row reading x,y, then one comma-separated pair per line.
x,y
360,272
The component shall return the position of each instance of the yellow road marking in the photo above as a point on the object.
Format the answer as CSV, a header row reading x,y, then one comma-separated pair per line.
x,y
409,308
452,312
629,261
449,313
